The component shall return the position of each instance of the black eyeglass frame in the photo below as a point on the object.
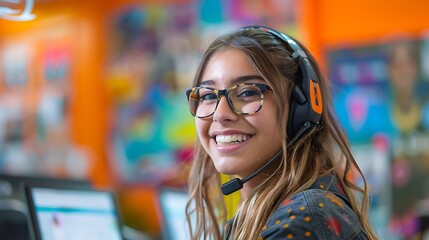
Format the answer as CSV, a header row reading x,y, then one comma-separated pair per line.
x,y
225,92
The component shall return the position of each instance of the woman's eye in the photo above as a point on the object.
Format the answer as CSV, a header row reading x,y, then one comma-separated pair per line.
x,y
208,96
248,93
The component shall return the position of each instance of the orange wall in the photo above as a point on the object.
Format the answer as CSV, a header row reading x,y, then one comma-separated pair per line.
x,y
330,23
367,20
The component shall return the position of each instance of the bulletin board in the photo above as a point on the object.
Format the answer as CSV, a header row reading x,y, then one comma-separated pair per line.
x,y
36,71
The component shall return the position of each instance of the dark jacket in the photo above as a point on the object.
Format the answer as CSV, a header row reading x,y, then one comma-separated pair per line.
x,y
320,212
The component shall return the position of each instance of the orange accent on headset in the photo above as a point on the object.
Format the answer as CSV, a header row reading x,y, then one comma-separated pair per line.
x,y
316,97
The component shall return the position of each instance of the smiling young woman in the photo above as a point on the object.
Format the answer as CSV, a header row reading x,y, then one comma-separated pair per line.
x,y
263,114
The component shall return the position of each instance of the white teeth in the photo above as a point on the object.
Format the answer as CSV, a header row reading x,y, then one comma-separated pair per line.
x,y
235,138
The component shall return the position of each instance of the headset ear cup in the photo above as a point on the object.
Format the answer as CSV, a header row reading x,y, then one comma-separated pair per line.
x,y
297,111
291,119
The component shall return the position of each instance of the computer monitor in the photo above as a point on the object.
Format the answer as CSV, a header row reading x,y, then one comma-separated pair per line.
x,y
58,212
172,213
13,208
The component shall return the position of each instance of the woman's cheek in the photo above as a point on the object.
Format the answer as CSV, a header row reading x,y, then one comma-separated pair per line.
x,y
202,131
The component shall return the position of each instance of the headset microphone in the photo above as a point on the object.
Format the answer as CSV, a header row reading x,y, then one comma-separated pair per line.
x,y
237,184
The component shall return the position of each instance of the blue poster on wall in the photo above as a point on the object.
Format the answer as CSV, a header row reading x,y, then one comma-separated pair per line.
x,y
360,91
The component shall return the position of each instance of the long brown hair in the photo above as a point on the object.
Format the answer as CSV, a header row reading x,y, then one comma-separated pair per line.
x,y
321,150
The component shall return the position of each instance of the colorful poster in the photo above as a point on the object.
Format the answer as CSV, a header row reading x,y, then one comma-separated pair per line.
x,y
153,131
274,13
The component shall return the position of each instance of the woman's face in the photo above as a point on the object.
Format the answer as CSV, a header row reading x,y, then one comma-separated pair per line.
x,y
237,144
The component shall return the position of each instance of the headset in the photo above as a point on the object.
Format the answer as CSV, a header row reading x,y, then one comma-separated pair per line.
x,y
306,104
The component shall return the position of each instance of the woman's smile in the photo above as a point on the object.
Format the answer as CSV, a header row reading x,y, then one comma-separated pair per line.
x,y
229,143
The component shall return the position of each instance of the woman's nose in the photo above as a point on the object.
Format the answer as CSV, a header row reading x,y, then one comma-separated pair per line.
x,y
224,112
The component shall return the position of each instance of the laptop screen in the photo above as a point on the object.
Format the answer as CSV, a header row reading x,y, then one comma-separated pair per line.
x,y
59,214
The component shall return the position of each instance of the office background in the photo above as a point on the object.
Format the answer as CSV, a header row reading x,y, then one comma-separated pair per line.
x,y
95,90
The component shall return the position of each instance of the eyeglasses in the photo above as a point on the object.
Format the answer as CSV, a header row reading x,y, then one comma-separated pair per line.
x,y
245,98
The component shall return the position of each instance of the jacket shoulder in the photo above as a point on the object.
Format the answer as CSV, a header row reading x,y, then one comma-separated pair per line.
x,y
313,214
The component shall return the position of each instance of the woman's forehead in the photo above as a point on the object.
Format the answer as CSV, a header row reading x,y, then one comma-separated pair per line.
x,y
229,67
